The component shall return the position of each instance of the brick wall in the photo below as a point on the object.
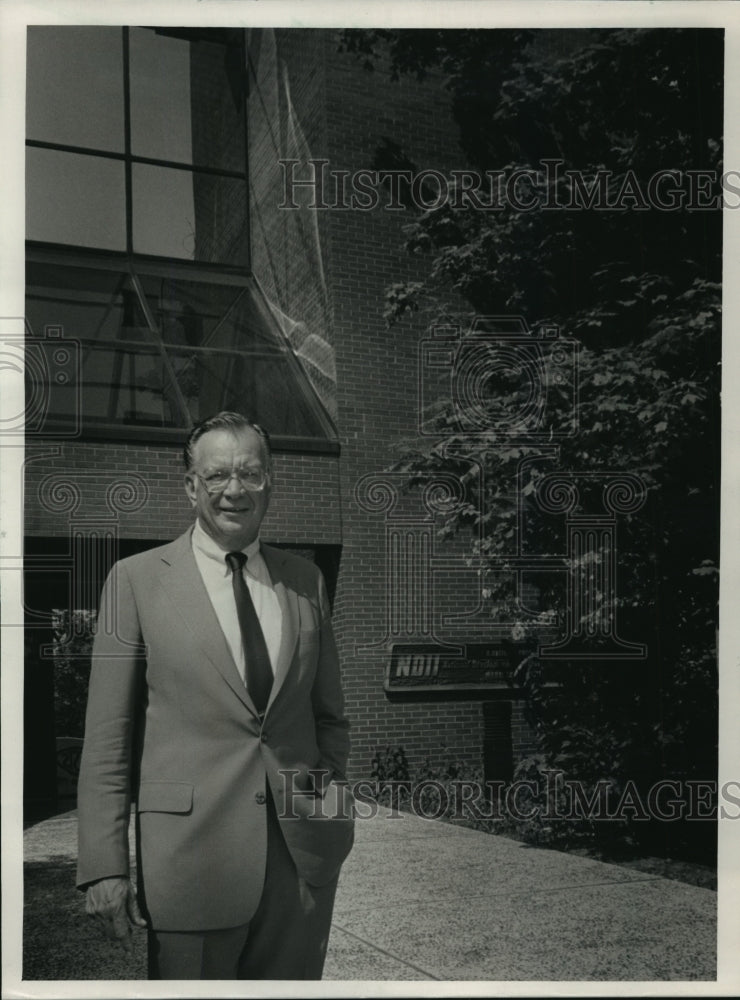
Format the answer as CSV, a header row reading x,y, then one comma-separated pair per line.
x,y
141,488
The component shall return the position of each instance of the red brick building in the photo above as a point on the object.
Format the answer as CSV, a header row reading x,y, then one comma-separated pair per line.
x,y
211,255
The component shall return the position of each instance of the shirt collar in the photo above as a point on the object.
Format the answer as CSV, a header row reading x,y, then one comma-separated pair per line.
x,y
210,547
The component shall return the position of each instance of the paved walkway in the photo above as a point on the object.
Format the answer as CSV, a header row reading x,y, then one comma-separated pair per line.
x,y
423,900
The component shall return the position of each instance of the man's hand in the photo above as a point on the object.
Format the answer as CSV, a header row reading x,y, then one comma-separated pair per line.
x,y
112,901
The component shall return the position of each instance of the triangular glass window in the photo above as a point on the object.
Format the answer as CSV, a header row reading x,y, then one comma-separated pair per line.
x,y
160,348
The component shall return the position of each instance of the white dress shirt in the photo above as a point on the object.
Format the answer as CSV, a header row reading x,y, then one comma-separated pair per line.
x,y
217,578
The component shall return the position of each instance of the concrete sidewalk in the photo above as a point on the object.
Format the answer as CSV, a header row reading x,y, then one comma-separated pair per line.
x,y
424,900
428,900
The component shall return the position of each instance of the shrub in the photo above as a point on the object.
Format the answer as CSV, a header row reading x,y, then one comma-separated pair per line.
x,y
73,633
544,811
390,767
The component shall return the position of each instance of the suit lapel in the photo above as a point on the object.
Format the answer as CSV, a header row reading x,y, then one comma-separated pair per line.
x,y
181,580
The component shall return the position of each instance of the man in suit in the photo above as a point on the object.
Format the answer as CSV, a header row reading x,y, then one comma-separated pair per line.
x,y
215,704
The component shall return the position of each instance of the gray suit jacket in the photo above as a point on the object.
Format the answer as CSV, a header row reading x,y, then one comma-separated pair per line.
x,y
170,725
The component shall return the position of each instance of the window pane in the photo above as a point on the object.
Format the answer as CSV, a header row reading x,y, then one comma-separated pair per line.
x,y
191,313
189,216
282,402
191,347
128,385
75,199
264,388
89,304
75,86
238,358
186,100
103,322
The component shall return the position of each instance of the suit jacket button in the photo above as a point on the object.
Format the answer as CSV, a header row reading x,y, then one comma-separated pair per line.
x,y
260,798
263,737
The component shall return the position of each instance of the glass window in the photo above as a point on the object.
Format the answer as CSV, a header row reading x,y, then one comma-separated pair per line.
x,y
161,120
184,106
163,212
74,94
75,199
157,349
95,309
187,98
128,385
186,215
272,385
136,150
192,313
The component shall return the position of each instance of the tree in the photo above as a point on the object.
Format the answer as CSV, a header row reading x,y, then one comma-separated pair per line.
x,y
594,114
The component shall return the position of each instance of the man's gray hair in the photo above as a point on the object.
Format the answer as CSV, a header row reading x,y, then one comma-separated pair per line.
x,y
230,421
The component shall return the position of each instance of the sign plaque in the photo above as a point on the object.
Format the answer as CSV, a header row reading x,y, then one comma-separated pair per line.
x,y
431,670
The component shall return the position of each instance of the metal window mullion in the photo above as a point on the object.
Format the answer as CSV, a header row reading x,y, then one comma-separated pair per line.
x,y
127,143
149,161
132,400
115,388
229,310
88,258
85,342
244,96
181,349
158,342
63,147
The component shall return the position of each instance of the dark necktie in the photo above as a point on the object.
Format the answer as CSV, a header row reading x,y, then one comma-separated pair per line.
x,y
257,659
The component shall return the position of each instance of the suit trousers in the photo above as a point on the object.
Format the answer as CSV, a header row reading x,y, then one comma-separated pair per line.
x,y
286,938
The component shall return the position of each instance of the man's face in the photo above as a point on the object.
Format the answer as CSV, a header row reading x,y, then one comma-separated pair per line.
x,y
231,517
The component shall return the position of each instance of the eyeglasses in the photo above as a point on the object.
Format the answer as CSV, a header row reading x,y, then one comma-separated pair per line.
x,y
253,480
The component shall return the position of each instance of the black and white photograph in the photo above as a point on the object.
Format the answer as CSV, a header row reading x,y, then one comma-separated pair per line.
x,y
369,474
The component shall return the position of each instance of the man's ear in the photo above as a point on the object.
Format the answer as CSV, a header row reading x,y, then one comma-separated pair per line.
x,y
190,487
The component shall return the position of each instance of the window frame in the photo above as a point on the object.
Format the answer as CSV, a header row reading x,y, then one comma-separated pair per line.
x,y
222,273
135,267
224,36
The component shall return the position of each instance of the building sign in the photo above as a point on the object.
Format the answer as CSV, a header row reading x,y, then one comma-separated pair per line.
x,y
434,670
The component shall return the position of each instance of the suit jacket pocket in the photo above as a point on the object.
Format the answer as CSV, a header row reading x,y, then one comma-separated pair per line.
x,y
165,796
319,832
